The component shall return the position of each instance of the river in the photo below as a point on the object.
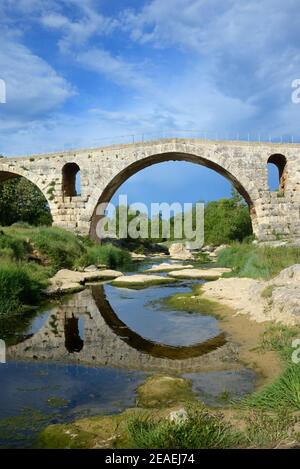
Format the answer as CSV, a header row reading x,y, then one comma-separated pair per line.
x,y
86,354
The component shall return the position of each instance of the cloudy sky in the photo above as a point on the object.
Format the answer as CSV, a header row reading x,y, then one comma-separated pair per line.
x,y
84,72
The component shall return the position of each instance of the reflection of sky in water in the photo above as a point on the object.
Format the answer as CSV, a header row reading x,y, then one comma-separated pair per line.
x,y
79,391
214,386
38,322
141,312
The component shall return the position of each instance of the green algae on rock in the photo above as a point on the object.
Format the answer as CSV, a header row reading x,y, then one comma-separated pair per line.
x,y
89,433
163,391
141,281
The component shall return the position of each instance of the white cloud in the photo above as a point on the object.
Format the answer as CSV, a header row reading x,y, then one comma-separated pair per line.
x,y
34,88
77,32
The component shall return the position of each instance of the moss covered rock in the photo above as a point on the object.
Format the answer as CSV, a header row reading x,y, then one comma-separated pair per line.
x,y
163,391
92,432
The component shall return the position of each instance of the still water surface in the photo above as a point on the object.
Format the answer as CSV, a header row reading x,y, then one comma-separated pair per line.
x,y
87,355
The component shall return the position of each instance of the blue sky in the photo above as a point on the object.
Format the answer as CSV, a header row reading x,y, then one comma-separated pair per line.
x,y
82,71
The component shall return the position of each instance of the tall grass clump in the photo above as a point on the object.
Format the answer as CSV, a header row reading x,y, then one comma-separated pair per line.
x,y
106,254
20,287
200,430
61,247
284,392
248,260
12,247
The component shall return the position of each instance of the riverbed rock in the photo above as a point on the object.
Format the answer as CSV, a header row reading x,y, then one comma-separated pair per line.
x,y
90,268
276,300
288,276
167,266
208,248
220,248
137,257
140,281
179,251
204,274
68,281
162,391
179,416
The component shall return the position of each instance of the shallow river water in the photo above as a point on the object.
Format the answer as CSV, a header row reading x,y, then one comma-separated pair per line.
x,y
87,354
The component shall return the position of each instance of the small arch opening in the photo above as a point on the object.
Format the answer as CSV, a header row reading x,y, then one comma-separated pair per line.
x,y
277,172
71,186
73,341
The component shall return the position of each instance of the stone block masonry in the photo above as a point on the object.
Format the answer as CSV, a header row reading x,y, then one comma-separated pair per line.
x,y
275,215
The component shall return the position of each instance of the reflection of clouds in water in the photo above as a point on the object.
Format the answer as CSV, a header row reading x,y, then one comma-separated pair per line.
x,y
141,311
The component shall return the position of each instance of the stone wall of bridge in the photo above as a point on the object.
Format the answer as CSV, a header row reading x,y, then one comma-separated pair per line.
x,y
275,215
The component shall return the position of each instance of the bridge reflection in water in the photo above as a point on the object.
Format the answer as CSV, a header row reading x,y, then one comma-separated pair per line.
x,y
86,330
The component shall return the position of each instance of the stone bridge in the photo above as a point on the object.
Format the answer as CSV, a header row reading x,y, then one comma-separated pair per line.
x,y
275,215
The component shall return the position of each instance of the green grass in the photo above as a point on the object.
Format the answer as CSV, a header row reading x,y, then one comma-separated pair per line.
x,y
284,392
265,430
201,430
248,260
106,254
61,247
21,284
194,302
22,279
11,247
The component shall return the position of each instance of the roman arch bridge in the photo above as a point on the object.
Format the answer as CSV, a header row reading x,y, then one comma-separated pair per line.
x,y
275,215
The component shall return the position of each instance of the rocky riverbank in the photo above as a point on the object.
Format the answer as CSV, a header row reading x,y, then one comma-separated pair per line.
x,y
275,300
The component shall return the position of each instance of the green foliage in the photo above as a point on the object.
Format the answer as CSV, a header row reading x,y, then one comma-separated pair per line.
x,y
248,260
201,430
11,247
226,220
21,285
278,338
20,200
106,254
283,393
60,246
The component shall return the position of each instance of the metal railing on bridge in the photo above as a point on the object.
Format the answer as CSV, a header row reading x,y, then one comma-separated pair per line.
x,y
153,136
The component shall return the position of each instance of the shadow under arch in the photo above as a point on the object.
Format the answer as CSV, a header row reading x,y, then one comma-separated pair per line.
x,y
143,163
147,346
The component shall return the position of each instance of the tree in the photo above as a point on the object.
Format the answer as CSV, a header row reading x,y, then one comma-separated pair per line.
x,y
227,220
20,200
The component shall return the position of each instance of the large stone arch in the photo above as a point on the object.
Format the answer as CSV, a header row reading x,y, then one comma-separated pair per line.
x,y
7,173
240,182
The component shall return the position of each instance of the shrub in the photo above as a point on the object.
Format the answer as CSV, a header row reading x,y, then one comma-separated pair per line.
x,y
61,247
20,285
106,254
12,247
